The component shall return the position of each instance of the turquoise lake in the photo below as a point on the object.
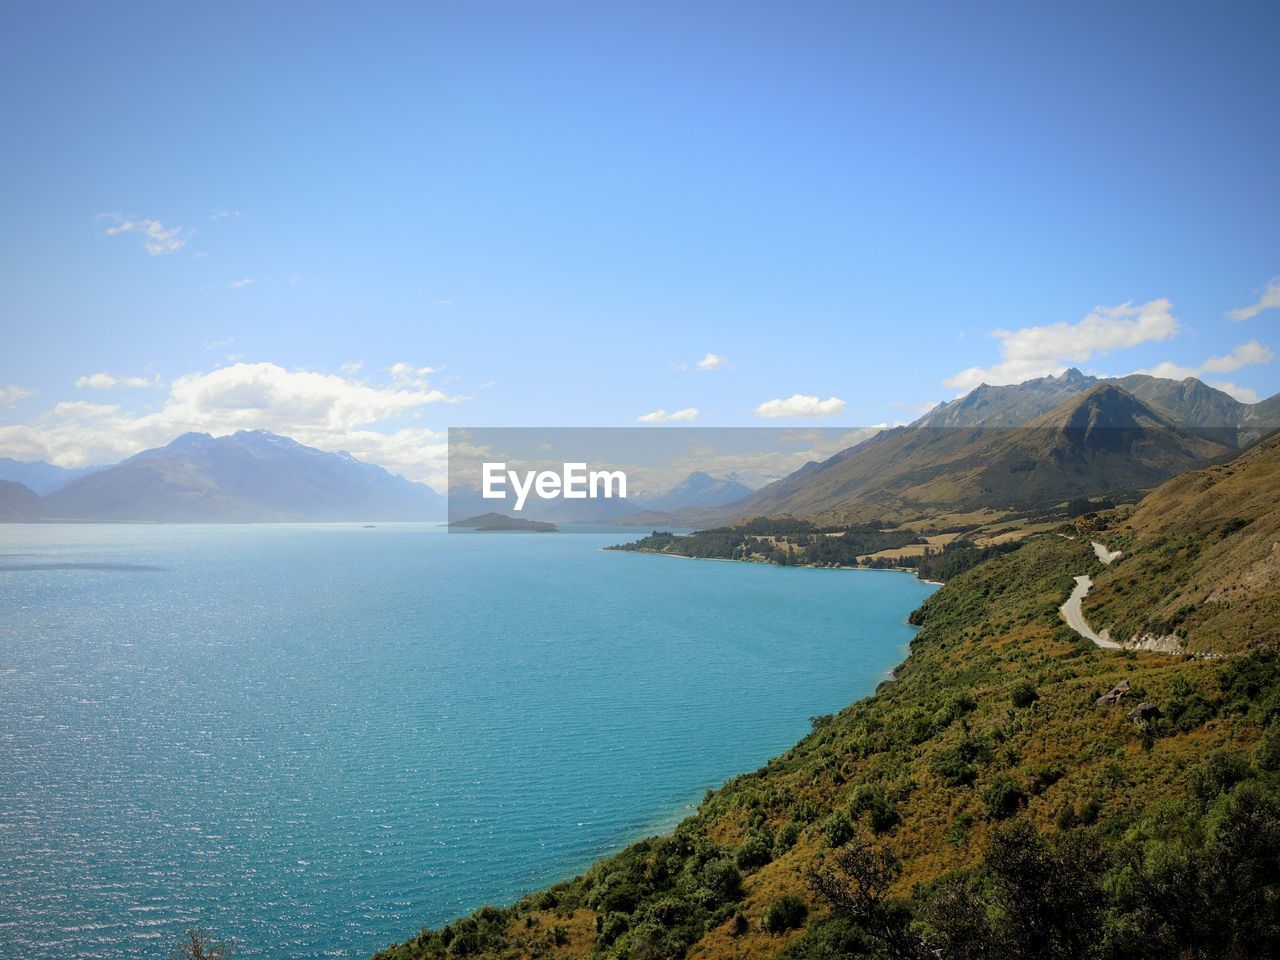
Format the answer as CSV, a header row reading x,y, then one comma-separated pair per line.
x,y
318,738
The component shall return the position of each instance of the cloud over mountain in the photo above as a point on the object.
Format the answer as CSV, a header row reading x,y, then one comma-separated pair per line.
x,y
1031,352
322,410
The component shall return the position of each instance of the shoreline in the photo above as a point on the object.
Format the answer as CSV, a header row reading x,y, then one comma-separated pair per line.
x,y
766,563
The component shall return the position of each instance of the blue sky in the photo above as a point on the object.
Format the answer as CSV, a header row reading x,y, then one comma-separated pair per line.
x,y
363,223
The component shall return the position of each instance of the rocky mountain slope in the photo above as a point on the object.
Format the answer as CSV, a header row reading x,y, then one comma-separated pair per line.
x,y
1100,441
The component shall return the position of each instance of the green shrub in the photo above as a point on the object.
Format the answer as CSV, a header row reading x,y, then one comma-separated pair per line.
x,y
1219,772
786,837
1003,798
1267,754
753,852
881,812
722,877
610,927
785,914
1023,694
837,830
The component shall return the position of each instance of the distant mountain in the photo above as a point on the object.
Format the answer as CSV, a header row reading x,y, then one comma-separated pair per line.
x,y
38,476
18,502
697,492
1186,403
1100,441
248,476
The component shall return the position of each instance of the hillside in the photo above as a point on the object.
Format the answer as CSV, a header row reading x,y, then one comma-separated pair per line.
x,y
38,476
17,502
1201,560
246,477
990,802
1100,441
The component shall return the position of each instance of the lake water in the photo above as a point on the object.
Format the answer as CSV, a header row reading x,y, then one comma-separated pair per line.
x,y
318,738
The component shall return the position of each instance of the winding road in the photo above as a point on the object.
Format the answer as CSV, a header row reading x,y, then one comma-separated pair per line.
x,y
1071,610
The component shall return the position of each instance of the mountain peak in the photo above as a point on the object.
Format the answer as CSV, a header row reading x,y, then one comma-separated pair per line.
x,y
247,476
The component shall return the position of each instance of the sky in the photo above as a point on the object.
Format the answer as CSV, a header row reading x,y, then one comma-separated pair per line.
x,y
359,224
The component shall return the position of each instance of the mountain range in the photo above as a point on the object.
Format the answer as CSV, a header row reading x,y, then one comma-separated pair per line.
x,y
248,476
1188,403
1048,439
1045,440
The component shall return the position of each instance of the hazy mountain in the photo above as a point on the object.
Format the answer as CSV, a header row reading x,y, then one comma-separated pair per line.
x,y
18,502
698,492
38,476
1187,403
1100,441
248,476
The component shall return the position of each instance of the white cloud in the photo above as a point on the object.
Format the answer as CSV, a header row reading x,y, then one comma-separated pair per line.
x,y
157,239
799,405
221,214
712,361
1243,394
107,381
1270,299
409,375
351,367
1245,355
11,395
321,410
241,284
661,416
1043,351
219,344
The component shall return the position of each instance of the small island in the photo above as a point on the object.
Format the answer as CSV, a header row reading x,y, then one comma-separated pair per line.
x,y
500,522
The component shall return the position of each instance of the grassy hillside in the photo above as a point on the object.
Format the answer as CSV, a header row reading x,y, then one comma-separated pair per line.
x,y
980,805
1202,559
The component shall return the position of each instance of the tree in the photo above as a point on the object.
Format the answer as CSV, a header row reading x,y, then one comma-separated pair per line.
x,y
197,944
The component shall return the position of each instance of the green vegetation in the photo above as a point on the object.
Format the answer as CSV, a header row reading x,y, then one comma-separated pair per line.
x,y
782,541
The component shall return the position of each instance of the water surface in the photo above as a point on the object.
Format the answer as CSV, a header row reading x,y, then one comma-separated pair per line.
x,y
317,738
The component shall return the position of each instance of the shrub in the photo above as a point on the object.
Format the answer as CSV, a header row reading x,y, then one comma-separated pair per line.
x,y
837,830
952,765
881,813
786,914
1267,754
610,927
1219,772
786,837
721,877
1003,798
1023,694
753,852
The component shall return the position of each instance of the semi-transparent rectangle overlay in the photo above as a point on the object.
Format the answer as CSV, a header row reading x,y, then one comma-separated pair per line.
x,y
581,479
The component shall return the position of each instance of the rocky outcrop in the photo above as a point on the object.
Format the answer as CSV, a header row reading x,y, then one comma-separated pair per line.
x,y
1114,695
1168,643
1144,712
